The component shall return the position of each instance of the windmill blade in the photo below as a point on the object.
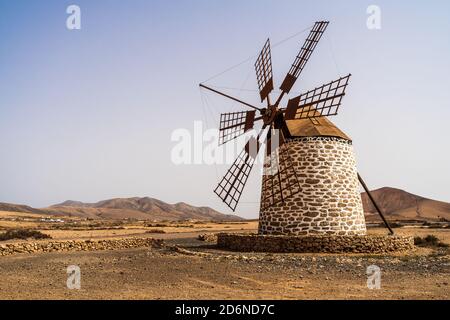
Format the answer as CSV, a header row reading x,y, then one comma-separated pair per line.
x,y
304,55
279,177
235,124
274,140
232,184
264,74
320,102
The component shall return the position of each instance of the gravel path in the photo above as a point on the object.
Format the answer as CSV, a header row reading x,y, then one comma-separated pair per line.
x,y
192,269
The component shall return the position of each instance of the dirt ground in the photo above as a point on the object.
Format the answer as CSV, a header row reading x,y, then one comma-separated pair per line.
x,y
191,269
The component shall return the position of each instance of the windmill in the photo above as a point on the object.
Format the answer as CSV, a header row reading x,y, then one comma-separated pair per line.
x,y
300,142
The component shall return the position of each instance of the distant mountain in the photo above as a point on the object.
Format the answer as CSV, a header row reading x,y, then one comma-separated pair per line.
x,y
401,205
395,203
70,203
137,208
18,208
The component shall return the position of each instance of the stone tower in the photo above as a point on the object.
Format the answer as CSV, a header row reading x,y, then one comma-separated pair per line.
x,y
329,200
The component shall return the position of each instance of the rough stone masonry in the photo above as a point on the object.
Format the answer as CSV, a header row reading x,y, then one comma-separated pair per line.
x,y
77,245
316,244
329,200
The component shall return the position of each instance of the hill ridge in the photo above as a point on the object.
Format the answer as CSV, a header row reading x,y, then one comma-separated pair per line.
x,y
395,203
138,208
399,204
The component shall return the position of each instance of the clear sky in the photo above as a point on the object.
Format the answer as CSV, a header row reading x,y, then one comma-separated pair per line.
x,y
88,114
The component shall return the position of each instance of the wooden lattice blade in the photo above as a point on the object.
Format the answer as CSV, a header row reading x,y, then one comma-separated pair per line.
x,y
231,186
235,124
323,127
304,55
319,102
264,73
279,180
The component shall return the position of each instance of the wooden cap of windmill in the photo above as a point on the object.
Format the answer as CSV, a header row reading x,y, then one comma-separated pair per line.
x,y
315,127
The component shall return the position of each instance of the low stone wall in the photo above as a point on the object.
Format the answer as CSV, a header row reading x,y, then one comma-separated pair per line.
x,y
77,245
314,244
207,237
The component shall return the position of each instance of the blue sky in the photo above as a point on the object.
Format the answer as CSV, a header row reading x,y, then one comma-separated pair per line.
x,y
88,114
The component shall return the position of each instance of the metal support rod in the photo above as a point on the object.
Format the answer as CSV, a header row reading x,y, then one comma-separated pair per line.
x,y
229,97
375,204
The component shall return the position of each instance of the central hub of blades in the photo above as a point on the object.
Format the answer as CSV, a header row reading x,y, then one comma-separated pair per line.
x,y
269,114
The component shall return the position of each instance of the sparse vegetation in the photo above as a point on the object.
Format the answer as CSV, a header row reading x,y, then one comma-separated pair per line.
x,y
155,231
429,241
160,225
83,226
232,222
436,225
393,225
23,234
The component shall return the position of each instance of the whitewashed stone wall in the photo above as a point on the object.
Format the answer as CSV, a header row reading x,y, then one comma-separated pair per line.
x,y
329,200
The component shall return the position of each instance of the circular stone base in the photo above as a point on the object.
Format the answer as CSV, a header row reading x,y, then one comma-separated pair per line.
x,y
314,244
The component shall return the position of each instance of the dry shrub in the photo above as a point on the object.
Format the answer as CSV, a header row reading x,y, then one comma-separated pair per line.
x,y
156,231
429,241
23,234
155,225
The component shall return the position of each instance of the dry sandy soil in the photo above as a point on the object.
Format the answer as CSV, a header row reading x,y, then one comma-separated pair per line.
x,y
191,269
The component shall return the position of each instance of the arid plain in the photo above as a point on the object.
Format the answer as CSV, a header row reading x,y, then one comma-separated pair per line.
x,y
184,267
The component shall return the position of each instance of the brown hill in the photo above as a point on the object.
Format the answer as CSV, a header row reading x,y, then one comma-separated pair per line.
x,y
401,205
137,208
18,208
397,205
